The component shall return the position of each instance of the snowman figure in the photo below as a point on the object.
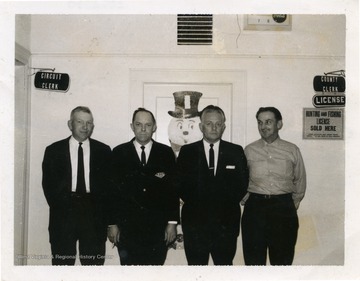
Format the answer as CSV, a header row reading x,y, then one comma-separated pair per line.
x,y
184,126
184,129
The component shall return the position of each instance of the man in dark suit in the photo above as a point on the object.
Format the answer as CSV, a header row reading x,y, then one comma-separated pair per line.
x,y
74,185
213,179
145,208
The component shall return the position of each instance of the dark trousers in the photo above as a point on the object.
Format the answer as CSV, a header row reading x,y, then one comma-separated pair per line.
x,y
140,251
269,224
79,226
199,245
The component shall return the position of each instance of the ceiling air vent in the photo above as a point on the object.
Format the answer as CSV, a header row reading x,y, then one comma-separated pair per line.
x,y
194,29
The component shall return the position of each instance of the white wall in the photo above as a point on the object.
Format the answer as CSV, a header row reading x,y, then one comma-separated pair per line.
x,y
23,31
312,35
98,52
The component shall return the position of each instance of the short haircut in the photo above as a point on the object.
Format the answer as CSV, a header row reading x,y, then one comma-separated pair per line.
x,y
141,109
212,108
274,110
79,109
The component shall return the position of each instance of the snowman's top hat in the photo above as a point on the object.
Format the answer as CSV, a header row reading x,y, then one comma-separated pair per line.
x,y
186,104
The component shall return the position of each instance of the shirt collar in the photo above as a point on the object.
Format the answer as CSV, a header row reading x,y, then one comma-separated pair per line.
x,y
73,141
207,144
138,145
275,142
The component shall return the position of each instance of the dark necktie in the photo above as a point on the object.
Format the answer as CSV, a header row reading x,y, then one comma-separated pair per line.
x,y
80,183
143,157
211,159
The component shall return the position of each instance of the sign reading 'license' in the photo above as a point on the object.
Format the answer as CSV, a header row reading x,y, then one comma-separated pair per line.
x,y
52,81
334,100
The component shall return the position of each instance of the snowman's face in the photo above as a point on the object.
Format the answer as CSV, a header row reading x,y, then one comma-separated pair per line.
x,y
184,131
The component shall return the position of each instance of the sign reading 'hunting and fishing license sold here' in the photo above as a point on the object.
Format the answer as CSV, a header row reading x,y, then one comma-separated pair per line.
x,y
324,123
52,81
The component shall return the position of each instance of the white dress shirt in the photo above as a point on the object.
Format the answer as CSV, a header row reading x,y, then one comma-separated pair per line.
x,y
216,152
276,168
147,149
74,146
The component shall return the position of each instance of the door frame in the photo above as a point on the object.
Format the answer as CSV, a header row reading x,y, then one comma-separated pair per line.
x,y
236,78
21,153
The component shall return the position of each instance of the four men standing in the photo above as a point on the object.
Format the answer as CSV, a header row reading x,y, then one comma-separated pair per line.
x,y
136,197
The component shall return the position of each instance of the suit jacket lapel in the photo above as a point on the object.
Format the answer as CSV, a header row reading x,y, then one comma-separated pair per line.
x,y
203,164
152,152
68,163
220,163
91,161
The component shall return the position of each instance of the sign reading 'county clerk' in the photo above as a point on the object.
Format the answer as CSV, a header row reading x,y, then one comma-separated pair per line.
x,y
52,81
328,83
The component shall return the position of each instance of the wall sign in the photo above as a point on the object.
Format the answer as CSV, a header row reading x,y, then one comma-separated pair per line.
x,y
329,100
329,83
52,81
324,123
332,88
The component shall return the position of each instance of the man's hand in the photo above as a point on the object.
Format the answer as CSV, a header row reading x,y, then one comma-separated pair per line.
x,y
246,197
113,234
297,204
170,233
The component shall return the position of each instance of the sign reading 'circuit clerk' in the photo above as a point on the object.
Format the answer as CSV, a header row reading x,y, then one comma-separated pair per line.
x,y
52,81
